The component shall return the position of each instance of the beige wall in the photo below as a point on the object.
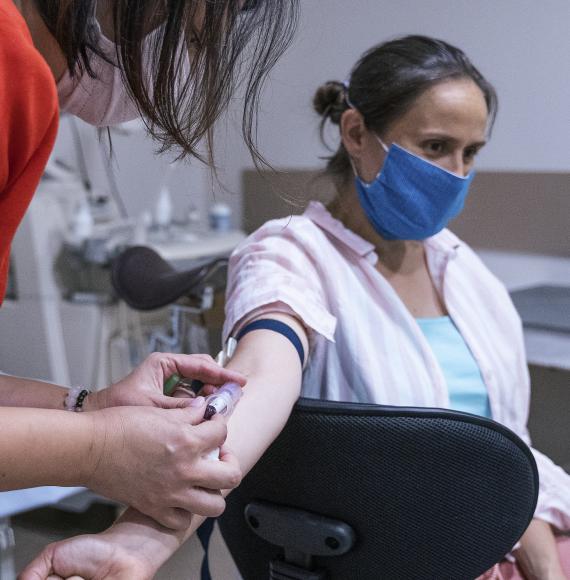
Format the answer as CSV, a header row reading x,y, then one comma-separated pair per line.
x,y
522,212
516,211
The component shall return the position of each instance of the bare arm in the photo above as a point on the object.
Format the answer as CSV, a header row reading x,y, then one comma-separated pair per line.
x,y
42,447
17,392
160,470
538,554
142,387
273,370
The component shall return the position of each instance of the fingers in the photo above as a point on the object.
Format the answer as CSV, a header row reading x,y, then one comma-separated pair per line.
x,y
40,568
173,518
204,502
203,368
228,459
183,393
176,401
207,390
194,415
223,474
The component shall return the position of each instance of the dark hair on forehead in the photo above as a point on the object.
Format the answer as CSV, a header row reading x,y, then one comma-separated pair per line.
x,y
386,82
231,45
388,78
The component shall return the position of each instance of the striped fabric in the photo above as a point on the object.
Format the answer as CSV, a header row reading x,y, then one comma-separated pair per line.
x,y
365,346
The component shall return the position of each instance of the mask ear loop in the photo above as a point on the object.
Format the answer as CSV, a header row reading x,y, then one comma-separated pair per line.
x,y
382,144
346,86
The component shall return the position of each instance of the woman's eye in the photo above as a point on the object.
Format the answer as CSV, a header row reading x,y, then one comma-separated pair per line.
x,y
470,153
435,147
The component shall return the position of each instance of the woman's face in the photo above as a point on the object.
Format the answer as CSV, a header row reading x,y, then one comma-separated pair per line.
x,y
447,125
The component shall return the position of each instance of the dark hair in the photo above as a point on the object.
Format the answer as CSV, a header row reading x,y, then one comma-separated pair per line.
x,y
180,110
386,82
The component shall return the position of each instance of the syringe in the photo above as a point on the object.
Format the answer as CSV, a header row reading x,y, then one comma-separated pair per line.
x,y
222,402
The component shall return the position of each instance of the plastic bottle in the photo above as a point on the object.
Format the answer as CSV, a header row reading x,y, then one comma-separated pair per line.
x,y
82,224
220,217
164,208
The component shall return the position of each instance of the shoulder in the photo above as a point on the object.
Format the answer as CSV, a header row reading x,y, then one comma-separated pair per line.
x,y
25,76
28,99
297,234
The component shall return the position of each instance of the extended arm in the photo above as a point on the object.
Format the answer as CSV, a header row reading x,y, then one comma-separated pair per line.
x,y
142,387
17,392
150,458
273,370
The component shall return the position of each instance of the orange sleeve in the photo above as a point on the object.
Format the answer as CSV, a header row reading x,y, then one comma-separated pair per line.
x,y
28,125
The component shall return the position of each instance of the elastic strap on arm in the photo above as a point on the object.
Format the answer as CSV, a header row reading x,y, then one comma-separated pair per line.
x,y
280,328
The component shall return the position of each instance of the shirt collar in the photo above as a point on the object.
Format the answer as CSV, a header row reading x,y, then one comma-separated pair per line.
x,y
444,242
319,214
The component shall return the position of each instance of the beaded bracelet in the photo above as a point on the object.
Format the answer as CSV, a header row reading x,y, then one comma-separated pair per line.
x,y
75,399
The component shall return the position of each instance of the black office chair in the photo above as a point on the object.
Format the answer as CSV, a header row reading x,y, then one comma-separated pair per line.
x,y
381,493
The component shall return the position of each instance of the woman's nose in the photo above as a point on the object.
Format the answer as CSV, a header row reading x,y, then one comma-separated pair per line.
x,y
456,164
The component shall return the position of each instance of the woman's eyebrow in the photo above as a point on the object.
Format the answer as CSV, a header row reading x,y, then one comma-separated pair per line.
x,y
441,135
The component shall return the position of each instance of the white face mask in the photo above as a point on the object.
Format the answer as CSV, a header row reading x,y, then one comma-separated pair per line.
x,y
100,101
104,100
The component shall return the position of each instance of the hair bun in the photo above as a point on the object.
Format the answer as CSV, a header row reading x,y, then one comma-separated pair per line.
x,y
329,100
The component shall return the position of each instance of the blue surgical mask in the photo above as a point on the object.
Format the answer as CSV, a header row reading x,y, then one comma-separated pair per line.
x,y
411,198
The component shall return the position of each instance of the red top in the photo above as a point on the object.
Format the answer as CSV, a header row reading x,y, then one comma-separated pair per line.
x,y
28,125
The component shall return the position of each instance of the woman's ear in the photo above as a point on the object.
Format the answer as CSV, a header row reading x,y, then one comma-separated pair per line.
x,y
353,133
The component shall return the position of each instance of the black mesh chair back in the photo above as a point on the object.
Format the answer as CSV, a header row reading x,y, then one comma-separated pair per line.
x,y
372,492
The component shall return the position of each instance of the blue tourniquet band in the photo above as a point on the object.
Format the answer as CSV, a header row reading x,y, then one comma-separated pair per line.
x,y
280,328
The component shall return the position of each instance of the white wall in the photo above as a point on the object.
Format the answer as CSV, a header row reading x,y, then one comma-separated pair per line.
x,y
522,46
139,171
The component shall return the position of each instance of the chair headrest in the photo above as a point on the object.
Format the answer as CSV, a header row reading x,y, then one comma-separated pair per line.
x,y
145,281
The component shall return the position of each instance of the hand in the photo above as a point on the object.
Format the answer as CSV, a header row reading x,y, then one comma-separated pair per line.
x,y
89,557
153,460
144,386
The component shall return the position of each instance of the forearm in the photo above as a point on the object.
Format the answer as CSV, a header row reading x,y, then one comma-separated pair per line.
x,y
274,380
257,420
538,554
44,447
19,392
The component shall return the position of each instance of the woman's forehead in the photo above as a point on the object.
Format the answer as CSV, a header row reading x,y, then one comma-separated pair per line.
x,y
450,106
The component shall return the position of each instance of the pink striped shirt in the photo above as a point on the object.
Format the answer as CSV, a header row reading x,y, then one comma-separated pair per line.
x,y
365,346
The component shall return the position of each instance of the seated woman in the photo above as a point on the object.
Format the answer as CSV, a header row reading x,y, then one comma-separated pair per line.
x,y
388,305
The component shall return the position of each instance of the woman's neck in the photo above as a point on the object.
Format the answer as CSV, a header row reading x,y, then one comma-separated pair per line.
x,y
396,256
403,263
44,41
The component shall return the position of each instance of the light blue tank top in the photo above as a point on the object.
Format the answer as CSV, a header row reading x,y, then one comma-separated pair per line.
x,y
467,391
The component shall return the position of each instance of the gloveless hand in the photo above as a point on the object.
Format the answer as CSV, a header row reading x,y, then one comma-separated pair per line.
x,y
144,386
153,460
88,557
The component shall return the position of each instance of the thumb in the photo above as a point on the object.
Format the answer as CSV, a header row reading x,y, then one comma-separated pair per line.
x,y
166,402
39,568
194,410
